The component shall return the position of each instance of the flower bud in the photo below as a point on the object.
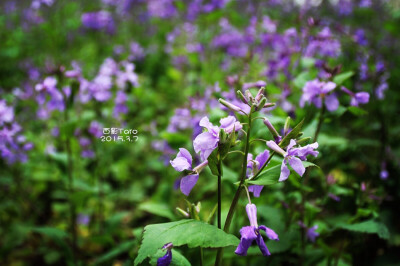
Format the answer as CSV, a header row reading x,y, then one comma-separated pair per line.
x,y
241,96
275,147
249,96
182,212
230,106
271,128
261,103
267,105
251,210
260,94
287,126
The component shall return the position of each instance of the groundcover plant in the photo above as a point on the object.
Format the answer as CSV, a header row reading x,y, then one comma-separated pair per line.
x,y
199,132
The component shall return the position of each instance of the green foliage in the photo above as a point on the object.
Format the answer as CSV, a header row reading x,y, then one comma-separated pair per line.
x,y
369,227
185,232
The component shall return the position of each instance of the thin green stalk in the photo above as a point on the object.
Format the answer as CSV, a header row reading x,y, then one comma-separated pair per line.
x,y
201,257
219,193
235,200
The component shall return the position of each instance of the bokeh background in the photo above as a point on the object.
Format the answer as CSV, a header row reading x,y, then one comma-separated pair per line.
x,y
69,69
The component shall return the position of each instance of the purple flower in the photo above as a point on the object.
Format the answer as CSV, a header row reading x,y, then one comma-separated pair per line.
x,y
101,20
254,166
206,142
311,234
334,197
314,91
182,162
6,113
83,219
167,258
250,233
293,157
357,98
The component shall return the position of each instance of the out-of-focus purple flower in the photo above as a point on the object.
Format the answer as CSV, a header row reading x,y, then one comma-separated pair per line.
x,y
55,131
323,44
37,3
293,157
182,162
384,174
206,142
254,166
257,84
128,75
167,258
359,37
83,219
137,52
161,8
101,20
311,231
357,98
6,113
48,84
314,91
382,87
365,3
96,129
252,233
85,146
312,234
334,197
120,104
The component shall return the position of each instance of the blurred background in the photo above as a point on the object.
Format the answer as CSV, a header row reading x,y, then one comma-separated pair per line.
x,y
97,97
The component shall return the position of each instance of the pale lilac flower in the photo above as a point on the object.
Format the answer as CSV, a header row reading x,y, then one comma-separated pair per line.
x,y
314,91
254,166
96,129
6,113
182,162
83,219
167,258
253,232
206,142
334,197
293,157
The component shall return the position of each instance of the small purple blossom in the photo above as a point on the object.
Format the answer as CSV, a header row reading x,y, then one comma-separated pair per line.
x,y
206,142
293,157
101,20
315,91
182,162
357,98
167,258
253,232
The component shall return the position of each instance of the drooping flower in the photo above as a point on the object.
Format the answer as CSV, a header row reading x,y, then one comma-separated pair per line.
x,y
253,232
314,91
206,142
254,166
167,258
293,157
182,162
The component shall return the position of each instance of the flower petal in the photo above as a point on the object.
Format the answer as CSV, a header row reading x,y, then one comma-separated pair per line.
x,y
165,260
205,141
262,246
262,158
187,183
247,237
186,154
297,165
284,172
269,232
256,189
331,102
180,164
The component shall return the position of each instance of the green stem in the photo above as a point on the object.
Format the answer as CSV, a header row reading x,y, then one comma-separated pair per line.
x,y
235,200
219,193
201,257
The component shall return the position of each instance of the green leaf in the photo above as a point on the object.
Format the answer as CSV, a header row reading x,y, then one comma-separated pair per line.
x,y
159,209
301,79
177,258
119,249
339,79
369,227
357,111
185,232
292,134
271,175
213,162
53,233
268,177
